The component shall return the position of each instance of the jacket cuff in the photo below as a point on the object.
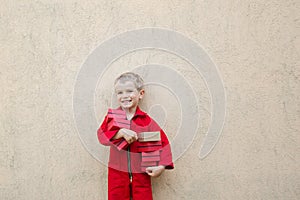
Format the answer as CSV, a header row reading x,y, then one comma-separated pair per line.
x,y
167,166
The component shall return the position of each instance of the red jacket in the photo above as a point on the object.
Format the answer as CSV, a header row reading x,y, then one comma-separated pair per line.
x,y
120,160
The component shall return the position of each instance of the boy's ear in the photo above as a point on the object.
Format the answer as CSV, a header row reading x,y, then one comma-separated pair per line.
x,y
142,92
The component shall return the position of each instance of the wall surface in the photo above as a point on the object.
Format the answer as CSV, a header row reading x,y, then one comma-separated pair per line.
x,y
254,43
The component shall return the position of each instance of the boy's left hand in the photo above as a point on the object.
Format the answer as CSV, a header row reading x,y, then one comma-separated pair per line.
x,y
155,171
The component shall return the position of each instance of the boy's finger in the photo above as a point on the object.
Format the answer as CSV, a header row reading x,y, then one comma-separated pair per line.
x,y
130,132
150,173
149,169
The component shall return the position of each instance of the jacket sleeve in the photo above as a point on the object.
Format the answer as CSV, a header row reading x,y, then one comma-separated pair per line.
x,y
166,153
105,136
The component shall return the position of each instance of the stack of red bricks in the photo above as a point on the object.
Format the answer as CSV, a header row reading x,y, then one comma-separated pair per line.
x,y
149,146
117,120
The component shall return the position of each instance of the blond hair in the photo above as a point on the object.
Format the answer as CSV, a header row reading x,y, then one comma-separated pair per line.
x,y
130,76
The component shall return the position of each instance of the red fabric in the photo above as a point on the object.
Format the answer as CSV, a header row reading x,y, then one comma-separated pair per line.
x,y
118,176
119,186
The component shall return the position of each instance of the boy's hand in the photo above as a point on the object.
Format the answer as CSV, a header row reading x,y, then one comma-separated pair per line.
x,y
129,135
155,171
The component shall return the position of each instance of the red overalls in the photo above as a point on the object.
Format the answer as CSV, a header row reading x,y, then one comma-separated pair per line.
x,y
125,179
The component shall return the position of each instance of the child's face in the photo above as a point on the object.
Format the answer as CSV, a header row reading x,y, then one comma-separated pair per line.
x,y
127,94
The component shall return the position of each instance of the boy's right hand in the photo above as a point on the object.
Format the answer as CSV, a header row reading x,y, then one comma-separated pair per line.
x,y
129,135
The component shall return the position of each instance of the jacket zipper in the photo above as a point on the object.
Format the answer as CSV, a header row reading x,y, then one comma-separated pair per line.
x,y
129,164
129,169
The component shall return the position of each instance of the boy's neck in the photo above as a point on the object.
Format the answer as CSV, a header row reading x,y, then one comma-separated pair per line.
x,y
130,112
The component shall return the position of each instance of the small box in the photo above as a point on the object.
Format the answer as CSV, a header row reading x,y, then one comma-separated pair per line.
x,y
149,136
115,124
123,144
149,146
149,164
144,165
150,156
116,111
116,114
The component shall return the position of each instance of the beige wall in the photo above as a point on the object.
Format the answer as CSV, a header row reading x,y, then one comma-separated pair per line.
x,y
255,44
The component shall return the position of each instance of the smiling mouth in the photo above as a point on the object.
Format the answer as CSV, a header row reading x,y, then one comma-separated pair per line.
x,y
126,101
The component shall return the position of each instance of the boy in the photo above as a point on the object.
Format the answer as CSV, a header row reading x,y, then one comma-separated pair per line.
x,y
126,179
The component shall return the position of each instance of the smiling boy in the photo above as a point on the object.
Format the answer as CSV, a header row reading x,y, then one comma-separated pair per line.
x,y
126,180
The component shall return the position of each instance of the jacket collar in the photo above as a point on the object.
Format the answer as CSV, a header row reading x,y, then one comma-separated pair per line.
x,y
138,111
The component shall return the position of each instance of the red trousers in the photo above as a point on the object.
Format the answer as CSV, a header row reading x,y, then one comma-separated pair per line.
x,y
120,188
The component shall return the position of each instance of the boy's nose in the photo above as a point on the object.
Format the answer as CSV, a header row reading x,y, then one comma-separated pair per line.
x,y
125,94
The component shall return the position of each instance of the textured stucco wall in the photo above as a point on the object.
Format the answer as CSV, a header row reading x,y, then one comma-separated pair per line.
x,y
254,43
